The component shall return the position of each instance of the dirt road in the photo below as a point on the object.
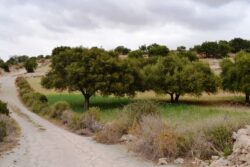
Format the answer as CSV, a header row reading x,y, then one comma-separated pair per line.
x,y
43,144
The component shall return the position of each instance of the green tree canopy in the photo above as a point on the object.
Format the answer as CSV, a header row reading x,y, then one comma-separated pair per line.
x,y
30,65
4,66
90,71
236,74
177,76
181,49
17,59
122,50
213,49
239,44
188,54
136,54
157,50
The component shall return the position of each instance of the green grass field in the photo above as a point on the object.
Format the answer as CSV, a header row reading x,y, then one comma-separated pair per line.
x,y
110,106
190,110
174,113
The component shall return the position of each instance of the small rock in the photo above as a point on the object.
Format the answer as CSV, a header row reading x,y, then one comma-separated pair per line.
x,y
244,157
244,151
179,161
215,158
220,163
235,135
242,132
84,132
162,161
127,138
197,161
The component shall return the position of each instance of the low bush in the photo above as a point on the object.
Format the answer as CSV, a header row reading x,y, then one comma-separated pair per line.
x,y
127,121
89,120
3,131
4,109
22,83
135,111
58,109
154,139
212,136
5,67
77,122
112,132
7,126
30,65
220,137
92,119
66,117
37,102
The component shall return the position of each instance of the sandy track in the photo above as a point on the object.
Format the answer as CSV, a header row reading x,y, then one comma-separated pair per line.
x,y
43,144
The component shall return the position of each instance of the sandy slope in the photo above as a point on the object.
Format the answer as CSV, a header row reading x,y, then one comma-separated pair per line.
x,y
43,144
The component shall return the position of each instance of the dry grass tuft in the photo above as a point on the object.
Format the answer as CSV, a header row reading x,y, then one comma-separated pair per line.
x,y
155,138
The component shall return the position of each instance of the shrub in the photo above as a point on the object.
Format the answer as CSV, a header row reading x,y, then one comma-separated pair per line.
x,y
138,109
221,138
66,117
212,136
7,126
21,83
43,98
127,121
136,54
112,132
4,109
24,91
30,65
39,107
154,138
3,132
77,122
91,119
5,67
57,110
200,147
37,102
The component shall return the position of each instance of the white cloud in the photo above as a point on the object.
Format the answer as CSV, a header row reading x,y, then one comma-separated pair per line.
x,y
35,27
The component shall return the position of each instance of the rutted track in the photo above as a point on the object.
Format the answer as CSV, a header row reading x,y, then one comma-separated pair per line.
x,y
43,144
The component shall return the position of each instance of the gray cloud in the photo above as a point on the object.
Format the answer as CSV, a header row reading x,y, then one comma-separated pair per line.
x,y
26,24
217,3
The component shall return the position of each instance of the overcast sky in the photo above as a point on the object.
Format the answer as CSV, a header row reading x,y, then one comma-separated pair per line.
x,y
34,27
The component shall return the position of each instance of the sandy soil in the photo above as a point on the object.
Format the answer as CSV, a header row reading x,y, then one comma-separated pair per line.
x,y
43,144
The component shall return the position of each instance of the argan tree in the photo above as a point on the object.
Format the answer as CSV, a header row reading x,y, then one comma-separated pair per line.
x,y
136,54
122,50
214,49
4,66
177,76
239,44
157,50
236,74
90,71
30,65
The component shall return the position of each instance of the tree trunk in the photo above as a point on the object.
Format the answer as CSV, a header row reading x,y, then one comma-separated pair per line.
x,y
172,97
86,102
176,98
247,98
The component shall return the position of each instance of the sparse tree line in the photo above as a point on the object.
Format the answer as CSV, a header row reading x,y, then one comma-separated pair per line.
x,y
220,49
153,67
95,70
29,63
208,49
